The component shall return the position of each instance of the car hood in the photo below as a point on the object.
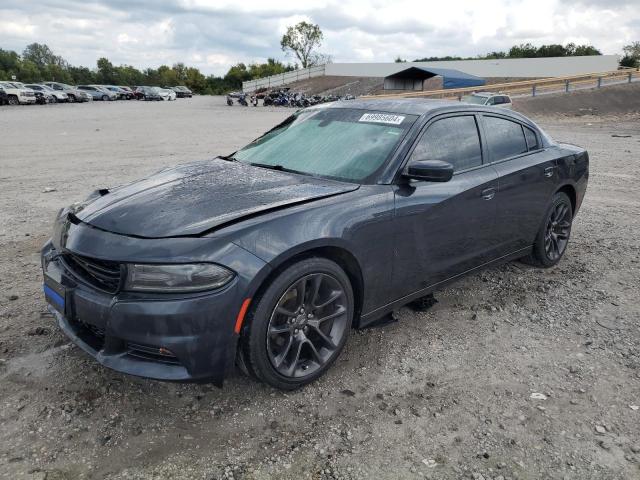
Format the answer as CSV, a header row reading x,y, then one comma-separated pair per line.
x,y
193,199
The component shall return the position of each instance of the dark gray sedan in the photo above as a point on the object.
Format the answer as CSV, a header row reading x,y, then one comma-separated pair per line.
x,y
331,220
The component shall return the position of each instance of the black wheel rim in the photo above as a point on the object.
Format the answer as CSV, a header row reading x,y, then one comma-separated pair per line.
x,y
557,233
307,325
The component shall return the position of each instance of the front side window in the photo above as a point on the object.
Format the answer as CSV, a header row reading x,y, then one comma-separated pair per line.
x,y
340,143
454,140
504,138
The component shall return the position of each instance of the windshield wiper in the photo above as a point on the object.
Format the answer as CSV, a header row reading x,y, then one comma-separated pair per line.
x,y
279,168
229,158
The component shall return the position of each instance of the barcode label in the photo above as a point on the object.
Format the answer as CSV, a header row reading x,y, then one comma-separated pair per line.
x,y
382,118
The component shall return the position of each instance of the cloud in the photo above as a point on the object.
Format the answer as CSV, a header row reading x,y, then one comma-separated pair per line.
x,y
214,34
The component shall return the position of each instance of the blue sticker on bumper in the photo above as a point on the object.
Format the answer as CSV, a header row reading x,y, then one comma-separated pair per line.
x,y
53,296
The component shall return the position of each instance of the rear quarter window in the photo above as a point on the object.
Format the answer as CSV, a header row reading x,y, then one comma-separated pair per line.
x,y
504,138
532,139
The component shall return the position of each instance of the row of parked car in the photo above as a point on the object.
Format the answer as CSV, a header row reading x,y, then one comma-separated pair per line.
x,y
17,93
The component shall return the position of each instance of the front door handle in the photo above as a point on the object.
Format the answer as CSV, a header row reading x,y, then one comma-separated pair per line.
x,y
488,193
548,172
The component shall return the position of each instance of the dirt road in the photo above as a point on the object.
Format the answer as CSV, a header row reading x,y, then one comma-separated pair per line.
x,y
516,373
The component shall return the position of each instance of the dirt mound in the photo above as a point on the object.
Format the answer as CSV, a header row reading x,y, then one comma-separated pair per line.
x,y
336,85
612,100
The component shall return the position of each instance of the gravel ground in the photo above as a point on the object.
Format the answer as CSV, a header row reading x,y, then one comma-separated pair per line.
x,y
516,373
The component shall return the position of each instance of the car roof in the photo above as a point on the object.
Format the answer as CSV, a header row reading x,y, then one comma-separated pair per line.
x,y
489,94
409,106
422,107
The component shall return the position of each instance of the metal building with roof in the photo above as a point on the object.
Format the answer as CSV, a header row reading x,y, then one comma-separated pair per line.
x,y
421,78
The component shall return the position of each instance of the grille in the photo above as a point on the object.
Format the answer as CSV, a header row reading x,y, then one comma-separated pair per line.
x,y
91,334
151,353
102,274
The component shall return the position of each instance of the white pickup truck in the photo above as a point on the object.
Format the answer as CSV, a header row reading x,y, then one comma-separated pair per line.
x,y
17,94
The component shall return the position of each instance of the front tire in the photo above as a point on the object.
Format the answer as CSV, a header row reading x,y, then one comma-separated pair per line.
x,y
299,325
553,237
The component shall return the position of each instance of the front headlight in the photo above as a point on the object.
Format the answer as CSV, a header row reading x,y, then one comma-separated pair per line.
x,y
193,277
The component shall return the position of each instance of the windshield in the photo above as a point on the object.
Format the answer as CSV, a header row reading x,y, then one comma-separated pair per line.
x,y
477,99
340,143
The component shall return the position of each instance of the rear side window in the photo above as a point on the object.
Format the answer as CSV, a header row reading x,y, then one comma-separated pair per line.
x,y
505,100
504,137
532,140
454,140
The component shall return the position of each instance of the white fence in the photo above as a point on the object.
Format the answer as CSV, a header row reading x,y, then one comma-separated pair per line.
x,y
283,78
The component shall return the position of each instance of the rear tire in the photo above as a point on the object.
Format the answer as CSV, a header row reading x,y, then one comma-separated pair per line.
x,y
71,99
553,236
105,98
298,326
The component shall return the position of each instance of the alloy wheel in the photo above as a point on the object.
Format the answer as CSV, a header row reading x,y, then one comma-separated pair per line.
x,y
307,325
558,229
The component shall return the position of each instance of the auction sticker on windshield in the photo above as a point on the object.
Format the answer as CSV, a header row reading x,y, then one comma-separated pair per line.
x,y
382,118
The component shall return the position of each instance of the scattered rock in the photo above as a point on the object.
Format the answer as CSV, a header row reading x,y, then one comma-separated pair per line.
x,y
538,396
348,393
49,190
605,444
38,331
600,430
429,462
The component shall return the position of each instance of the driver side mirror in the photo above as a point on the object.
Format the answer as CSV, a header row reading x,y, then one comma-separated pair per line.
x,y
429,170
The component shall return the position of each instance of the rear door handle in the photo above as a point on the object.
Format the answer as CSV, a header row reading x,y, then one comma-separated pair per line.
x,y
548,172
488,193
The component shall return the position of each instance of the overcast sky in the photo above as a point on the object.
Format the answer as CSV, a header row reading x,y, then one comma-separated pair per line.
x,y
214,34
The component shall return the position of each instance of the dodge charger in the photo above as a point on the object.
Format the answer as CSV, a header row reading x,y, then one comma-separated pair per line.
x,y
266,258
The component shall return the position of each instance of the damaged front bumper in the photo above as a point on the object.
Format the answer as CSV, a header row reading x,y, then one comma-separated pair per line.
x,y
175,337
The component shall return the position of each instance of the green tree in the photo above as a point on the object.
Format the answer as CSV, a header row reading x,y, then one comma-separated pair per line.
x,y
106,72
9,64
630,62
167,76
41,55
195,80
301,40
29,72
236,75
585,50
632,52
553,50
81,75
494,55
524,50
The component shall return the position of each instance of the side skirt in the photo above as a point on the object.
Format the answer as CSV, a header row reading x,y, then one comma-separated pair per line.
x,y
390,307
